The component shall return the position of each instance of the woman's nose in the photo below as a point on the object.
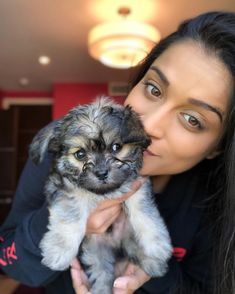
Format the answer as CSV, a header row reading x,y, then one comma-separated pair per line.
x,y
156,121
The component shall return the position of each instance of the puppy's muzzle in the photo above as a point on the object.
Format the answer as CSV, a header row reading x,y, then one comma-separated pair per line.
x,y
101,172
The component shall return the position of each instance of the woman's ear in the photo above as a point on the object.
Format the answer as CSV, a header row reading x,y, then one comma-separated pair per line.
x,y
213,154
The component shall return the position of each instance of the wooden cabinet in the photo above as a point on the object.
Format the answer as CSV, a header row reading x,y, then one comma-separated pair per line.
x,y
18,125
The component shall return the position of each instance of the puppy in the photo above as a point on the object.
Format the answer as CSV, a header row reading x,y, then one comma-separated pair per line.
x,y
98,151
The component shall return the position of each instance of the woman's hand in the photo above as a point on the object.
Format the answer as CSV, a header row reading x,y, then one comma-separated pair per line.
x,y
98,222
107,212
132,279
79,278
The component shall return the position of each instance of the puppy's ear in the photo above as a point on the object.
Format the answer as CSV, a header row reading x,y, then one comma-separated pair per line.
x,y
44,139
132,130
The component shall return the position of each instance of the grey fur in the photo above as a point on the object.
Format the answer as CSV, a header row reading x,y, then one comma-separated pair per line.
x,y
78,182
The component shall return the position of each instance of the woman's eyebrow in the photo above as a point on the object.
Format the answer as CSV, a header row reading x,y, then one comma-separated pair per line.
x,y
160,74
193,101
207,107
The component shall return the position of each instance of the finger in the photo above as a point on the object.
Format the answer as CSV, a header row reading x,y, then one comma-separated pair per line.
x,y
122,291
131,282
126,283
75,264
77,273
110,202
110,220
105,204
79,286
135,186
110,211
76,278
101,222
84,278
100,219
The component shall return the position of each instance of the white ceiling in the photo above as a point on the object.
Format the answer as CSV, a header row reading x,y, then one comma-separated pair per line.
x,y
59,28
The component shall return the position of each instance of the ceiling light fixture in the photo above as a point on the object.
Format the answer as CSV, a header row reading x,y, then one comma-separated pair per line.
x,y
44,60
122,44
24,82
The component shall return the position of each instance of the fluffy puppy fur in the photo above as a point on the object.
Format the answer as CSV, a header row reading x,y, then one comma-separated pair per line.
x,y
98,151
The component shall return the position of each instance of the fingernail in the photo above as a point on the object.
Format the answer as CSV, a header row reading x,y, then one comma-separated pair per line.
x,y
120,283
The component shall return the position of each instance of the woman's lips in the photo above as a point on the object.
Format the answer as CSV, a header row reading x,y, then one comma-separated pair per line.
x,y
149,153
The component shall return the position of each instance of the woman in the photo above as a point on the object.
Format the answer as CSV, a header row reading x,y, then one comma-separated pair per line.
x,y
184,94
191,124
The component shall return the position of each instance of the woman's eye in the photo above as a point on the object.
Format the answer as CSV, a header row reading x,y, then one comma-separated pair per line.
x,y
193,121
80,154
152,89
116,147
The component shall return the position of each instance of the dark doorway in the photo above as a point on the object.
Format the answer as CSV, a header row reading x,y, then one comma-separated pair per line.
x,y
18,125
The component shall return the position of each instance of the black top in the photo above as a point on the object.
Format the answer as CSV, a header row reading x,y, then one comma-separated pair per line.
x,y
182,205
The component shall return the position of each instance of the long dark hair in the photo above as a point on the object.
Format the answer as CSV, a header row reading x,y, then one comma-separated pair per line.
x,y
215,31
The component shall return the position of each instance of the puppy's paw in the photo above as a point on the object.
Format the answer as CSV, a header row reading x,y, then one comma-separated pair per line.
x,y
55,262
154,267
156,255
57,252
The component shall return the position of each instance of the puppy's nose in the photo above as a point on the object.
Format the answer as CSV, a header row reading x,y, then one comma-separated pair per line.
x,y
101,174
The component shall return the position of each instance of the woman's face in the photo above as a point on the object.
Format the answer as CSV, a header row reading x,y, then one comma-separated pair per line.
x,y
182,101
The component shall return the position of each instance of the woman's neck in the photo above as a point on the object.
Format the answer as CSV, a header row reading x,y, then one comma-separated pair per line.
x,y
159,182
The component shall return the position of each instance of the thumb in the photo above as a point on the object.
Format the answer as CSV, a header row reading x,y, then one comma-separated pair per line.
x,y
135,277
127,283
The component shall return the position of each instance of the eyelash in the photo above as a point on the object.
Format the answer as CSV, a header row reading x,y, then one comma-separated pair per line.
x,y
200,125
149,84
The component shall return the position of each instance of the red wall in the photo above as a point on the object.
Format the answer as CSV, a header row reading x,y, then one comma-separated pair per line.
x,y
67,96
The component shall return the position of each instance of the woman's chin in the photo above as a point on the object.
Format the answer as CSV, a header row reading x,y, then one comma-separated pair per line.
x,y
149,167
145,172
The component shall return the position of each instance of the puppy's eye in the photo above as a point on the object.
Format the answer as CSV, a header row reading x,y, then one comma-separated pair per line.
x,y
116,147
80,154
